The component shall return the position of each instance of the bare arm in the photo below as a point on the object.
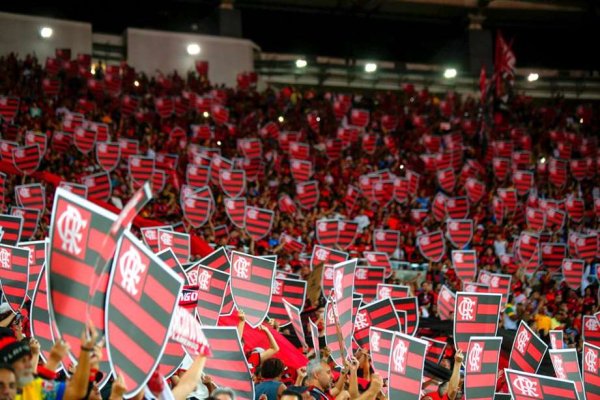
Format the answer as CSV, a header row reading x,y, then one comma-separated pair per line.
x,y
78,385
353,388
454,381
273,346
190,379
374,388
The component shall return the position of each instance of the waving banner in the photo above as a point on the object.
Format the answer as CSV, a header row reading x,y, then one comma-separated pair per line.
x,y
566,367
525,386
407,363
14,274
527,351
481,367
475,314
591,371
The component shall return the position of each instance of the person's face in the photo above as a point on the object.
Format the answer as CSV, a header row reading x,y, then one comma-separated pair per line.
x,y
23,370
445,363
8,385
324,376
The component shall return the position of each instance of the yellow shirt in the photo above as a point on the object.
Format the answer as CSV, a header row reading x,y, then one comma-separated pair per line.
x,y
543,322
40,389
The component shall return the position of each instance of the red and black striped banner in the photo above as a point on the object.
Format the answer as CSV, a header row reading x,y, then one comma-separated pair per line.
x,y
475,314
196,210
380,342
84,139
556,339
407,363
326,256
258,222
31,196
366,280
296,321
292,245
150,236
378,314
386,290
217,164
99,186
566,367
553,255
291,290
14,274
176,241
197,175
347,231
286,204
464,263
591,371
129,147
475,189
446,179
536,219
39,316
37,260
526,386
301,170
586,246
108,155
481,367
236,211
252,285
386,241
211,289
30,217
409,321
326,232
10,229
572,271
141,299
591,330
141,168
445,303
459,232
307,194
27,159
458,207
379,259
432,246
497,283
528,350
218,259
232,182
228,366
75,188
435,349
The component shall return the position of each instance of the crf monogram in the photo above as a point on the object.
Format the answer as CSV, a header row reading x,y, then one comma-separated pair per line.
x,y
322,254
385,292
4,259
131,266
591,359
166,239
522,341
337,284
240,266
399,356
375,337
278,287
204,280
361,274
466,308
526,386
475,357
361,321
558,367
69,228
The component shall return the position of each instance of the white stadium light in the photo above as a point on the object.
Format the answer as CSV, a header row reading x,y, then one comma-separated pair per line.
x,y
193,49
300,63
280,119
370,67
46,32
532,77
136,83
450,73
205,114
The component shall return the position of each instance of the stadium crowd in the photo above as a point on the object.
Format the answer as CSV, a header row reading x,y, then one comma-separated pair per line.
x,y
541,299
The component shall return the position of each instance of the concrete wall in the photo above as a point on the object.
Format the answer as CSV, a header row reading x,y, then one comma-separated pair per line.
x,y
149,51
21,34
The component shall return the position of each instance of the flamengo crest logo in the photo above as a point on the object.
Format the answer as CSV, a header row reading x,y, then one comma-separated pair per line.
x,y
475,357
166,238
361,321
321,254
466,309
69,227
592,324
240,267
5,259
523,341
361,274
131,267
385,292
399,357
375,338
526,386
591,360
558,367
203,280
337,284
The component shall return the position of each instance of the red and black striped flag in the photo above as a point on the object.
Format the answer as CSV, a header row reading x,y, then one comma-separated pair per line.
x,y
228,366
378,314
401,190
31,196
14,274
108,155
51,86
509,199
379,259
557,172
292,245
218,259
326,256
497,283
435,349
445,303
27,159
386,241
386,290
258,222
232,182
250,148
438,206
196,210
591,371
366,280
291,290
301,170
176,241
75,188
236,210
555,219
432,246
129,147
501,166
527,247
407,363
383,192
9,107
475,189
99,186
164,106
30,217
296,321
286,204
575,208
141,299
572,271
566,367
197,175
340,314
380,342
327,232
39,316
457,207
333,149
299,151
347,231
459,232
556,339
353,194
475,314
481,367
217,164
446,179
591,330
78,243
170,260
252,285
150,236
409,306
586,246
528,350
525,386
523,181
578,169
84,139
465,264
37,259
211,288
157,181
535,218
307,194
10,229
475,287
141,168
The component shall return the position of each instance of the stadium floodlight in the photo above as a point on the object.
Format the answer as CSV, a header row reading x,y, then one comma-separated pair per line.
x,y
136,83
543,160
205,114
450,73
280,119
193,49
532,77
370,67
300,63
46,32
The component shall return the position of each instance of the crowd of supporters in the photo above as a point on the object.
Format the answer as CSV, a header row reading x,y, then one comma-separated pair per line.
x,y
540,299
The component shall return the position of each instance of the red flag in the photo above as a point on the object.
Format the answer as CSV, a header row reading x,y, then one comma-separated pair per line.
x,y
150,236
386,241
301,170
31,196
497,283
347,231
307,194
432,246
407,309
481,367
233,182
39,317
37,260
258,222
435,349
211,285
575,208
108,155
407,364
14,275
286,289
459,232
572,271
236,210
446,179
535,218
475,189
475,314
129,147
366,280
528,350
178,242
326,256
40,139
9,107
27,159
359,117
379,259
464,263
10,229
196,210
30,217
457,207
141,168
292,245
99,186
385,291
379,314
524,386
326,232
445,304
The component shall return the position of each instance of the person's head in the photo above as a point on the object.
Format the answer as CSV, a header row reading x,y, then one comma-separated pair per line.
x,y
8,382
17,354
289,395
318,374
223,394
272,368
445,363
